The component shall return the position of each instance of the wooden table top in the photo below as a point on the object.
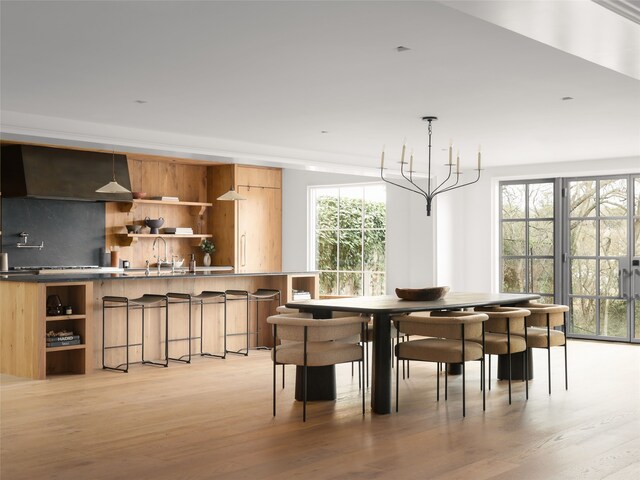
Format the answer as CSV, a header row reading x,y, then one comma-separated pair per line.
x,y
391,304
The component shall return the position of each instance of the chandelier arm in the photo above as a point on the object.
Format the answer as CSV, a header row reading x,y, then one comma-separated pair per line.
x,y
454,187
419,191
437,189
408,179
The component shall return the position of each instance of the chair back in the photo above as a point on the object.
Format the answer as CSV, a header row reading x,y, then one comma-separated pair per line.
x,y
291,327
499,317
541,311
442,324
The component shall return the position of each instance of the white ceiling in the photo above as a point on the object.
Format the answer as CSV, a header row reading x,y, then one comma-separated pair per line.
x,y
260,81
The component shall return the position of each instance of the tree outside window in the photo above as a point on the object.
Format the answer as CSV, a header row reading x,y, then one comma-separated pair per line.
x,y
349,234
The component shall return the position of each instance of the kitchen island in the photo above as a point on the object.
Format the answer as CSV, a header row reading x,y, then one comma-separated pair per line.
x,y
24,319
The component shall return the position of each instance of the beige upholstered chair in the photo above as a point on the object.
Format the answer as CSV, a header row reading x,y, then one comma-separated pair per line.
x,y
449,341
505,333
541,332
309,342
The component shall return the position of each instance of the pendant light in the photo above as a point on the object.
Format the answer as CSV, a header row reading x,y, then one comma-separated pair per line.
x,y
231,195
113,186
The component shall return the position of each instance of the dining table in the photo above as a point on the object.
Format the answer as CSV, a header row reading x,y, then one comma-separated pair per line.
x,y
381,308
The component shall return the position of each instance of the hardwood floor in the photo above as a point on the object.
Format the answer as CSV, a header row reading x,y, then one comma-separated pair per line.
x,y
212,419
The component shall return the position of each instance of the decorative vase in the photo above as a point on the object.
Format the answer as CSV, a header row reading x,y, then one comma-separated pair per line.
x,y
206,261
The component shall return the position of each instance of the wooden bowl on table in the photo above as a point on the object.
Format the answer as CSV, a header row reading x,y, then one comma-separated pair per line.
x,y
422,294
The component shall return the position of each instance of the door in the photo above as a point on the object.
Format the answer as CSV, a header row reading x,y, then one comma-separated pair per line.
x,y
602,256
259,230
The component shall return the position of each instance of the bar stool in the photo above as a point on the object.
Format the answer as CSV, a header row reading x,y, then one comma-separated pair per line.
x,y
260,295
202,299
147,300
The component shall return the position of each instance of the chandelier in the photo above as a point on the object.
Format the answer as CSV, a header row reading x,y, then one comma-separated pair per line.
x,y
430,193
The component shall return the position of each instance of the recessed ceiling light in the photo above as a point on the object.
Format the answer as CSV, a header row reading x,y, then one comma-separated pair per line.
x,y
140,101
567,98
402,48
324,131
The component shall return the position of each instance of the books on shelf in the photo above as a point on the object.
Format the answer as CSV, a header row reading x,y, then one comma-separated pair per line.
x,y
301,295
184,231
62,341
166,199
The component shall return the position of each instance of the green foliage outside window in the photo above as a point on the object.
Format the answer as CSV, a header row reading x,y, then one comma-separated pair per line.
x,y
350,241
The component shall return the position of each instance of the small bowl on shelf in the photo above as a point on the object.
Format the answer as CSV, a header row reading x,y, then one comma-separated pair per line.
x,y
133,228
139,195
154,224
422,294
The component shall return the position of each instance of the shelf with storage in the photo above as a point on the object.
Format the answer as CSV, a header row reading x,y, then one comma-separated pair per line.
x,y
127,239
69,358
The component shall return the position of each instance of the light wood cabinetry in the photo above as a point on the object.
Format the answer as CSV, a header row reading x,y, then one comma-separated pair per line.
x,y
247,233
159,176
24,323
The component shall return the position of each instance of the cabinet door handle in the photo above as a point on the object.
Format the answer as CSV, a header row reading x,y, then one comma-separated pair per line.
x,y
243,250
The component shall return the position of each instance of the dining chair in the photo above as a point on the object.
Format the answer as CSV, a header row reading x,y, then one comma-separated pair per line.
x,y
506,333
542,333
448,340
309,342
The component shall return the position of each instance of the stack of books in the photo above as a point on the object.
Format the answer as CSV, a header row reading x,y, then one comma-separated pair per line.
x,y
301,295
166,199
62,341
184,231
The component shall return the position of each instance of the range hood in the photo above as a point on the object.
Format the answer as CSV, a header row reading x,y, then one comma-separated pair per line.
x,y
61,174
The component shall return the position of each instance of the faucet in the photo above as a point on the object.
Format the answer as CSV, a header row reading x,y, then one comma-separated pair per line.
x,y
159,260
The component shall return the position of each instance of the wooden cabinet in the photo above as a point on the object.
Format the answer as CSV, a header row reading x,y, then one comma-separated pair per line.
x,y
24,323
70,358
247,233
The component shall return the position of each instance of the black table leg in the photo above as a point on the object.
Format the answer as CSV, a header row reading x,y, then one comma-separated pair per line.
x,y
517,366
381,365
321,383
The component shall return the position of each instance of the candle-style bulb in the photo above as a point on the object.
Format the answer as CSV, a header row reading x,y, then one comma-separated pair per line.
x,y
382,159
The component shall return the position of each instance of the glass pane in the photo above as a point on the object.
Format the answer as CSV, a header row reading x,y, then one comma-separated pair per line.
x,y
636,196
513,276
583,277
637,318
350,257
613,238
583,316
326,250
327,208
375,209
513,201
636,234
350,283
374,283
540,237
351,199
328,283
374,250
541,275
582,199
513,238
613,318
583,238
541,200
613,198
609,278
546,299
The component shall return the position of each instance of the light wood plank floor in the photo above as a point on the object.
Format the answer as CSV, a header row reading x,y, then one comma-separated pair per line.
x,y
212,419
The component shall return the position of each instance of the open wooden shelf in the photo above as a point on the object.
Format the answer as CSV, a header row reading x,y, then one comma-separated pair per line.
x,y
127,239
195,208
54,318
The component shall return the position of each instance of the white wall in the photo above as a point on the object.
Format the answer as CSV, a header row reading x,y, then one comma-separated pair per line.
x,y
475,263
461,252
410,234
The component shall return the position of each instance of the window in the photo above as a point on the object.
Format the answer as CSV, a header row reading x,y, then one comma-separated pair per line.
x,y
348,237
527,212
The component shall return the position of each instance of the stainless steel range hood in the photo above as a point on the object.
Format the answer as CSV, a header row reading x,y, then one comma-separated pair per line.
x,y
62,174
